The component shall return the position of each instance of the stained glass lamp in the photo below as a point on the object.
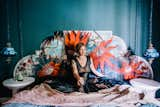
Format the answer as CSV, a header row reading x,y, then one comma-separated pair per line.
x,y
151,53
8,52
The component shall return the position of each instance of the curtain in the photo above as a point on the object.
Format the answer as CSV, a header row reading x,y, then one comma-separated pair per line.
x,y
138,25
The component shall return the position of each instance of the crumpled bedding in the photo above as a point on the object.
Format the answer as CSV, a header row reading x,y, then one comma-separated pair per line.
x,y
119,95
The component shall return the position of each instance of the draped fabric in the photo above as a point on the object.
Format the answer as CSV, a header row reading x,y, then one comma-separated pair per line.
x,y
138,25
128,19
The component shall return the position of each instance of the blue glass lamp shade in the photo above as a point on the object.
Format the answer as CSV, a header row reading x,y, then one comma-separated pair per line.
x,y
8,51
151,52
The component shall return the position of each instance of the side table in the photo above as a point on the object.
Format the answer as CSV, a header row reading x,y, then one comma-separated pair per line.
x,y
15,85
147,86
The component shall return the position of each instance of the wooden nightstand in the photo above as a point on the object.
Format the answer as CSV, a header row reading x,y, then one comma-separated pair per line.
x,y
15,85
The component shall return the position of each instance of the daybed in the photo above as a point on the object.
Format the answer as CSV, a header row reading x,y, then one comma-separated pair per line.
x,y
50,66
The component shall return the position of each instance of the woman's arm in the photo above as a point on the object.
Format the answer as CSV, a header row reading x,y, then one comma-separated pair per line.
x,y
94,70
75,71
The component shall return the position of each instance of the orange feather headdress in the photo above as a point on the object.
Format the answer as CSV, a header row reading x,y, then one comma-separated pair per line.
x,y
72,38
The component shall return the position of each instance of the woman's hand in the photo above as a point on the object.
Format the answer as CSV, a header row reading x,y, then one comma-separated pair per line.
x,y
80,82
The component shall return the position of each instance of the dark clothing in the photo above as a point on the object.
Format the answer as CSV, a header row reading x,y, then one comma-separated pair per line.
x,y
86,68
84,71
92,83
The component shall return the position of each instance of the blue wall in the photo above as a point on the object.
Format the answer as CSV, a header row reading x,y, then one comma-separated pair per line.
x,y
40,18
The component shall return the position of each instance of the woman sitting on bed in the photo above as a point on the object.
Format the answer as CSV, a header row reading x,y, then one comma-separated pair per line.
x,y
87,78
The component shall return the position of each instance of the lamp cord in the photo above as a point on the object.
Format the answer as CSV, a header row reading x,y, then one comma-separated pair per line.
x,y
19,25
8,21
150,22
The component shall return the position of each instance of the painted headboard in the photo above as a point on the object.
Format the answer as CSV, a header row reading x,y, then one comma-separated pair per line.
x,y
109,54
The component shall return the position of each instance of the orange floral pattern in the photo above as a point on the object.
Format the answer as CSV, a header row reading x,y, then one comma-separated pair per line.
x,y
101,54
50,69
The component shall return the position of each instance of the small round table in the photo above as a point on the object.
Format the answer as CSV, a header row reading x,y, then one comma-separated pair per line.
x,y
15,85
147,86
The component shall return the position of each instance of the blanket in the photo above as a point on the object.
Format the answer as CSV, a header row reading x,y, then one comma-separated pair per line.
x,y
119,95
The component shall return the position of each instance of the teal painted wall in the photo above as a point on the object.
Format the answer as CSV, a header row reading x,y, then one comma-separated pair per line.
x,y
40,18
